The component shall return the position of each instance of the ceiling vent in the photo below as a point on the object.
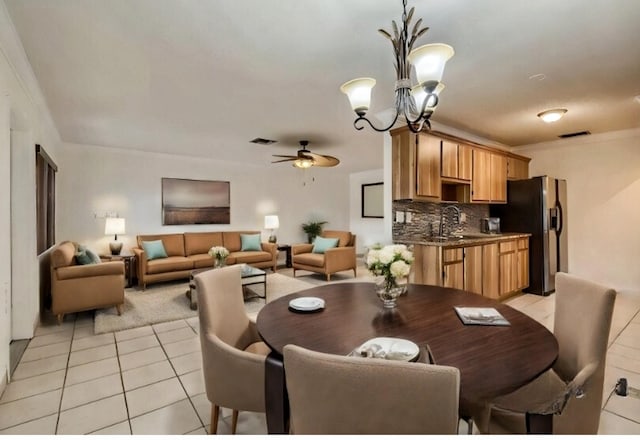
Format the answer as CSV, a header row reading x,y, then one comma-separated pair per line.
x,y
262,141
577,133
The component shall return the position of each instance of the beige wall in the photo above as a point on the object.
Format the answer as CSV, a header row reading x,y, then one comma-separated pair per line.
x,y
603,192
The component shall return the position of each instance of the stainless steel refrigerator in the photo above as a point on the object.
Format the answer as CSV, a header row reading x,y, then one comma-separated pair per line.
x,y
538,206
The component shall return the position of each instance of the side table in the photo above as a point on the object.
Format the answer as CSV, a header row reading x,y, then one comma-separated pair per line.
x,y
129,265
287,249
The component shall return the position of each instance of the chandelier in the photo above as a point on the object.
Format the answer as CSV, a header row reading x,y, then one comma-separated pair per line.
x,y
415,103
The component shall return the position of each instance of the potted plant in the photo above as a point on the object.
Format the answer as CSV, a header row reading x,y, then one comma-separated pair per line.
x,y
312,229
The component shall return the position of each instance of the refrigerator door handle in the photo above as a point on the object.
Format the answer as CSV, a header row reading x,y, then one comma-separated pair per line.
x,y
560,221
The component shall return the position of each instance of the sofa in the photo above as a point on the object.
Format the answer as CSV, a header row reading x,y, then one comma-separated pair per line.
x,y
336,259
76,287
188,251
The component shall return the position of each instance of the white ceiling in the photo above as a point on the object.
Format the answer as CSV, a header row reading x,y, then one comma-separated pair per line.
x,y
203,78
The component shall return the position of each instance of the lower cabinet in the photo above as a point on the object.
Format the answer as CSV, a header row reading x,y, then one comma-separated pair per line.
x,y
493,270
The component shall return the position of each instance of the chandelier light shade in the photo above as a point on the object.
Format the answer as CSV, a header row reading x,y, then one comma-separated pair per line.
x,y
114,226
271,222
415,103
303,163
552,115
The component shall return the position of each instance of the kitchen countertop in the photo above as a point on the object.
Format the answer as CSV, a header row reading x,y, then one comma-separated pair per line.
x,y
468,239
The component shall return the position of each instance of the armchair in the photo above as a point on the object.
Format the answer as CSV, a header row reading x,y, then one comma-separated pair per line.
x,y
75,288
338,259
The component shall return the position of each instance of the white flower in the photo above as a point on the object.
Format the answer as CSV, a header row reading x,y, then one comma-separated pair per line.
x,y
407,256
372,257
386,255
399,269
219,252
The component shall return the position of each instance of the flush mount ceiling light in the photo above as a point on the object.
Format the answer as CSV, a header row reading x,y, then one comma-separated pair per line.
x,y
552,115
415,103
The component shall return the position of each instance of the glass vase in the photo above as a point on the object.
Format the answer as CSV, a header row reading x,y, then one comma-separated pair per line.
x,y
219,262
388,290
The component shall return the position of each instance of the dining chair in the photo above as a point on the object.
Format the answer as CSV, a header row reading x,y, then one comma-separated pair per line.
x,y
233,355
331,394
570,393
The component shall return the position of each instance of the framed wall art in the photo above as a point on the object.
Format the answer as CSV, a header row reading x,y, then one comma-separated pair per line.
x,y
195,202
373,200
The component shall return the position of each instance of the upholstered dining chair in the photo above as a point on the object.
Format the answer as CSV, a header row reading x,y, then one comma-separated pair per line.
x,y
331,394
571,390
233,355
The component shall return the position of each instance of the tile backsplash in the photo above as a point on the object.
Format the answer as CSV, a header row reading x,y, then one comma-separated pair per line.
x,y
425,219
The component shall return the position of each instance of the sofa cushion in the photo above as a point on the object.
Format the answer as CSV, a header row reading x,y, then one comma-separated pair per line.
x,y
310,259
86,256
63,255
250,242
173,243
200,242
154,249
231,239
201,260
321,244
169,264
249,257
344,237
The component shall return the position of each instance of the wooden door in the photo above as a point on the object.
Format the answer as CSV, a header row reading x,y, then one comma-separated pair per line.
x,y
453,268
481,183
473,269
465,162
508,267
449,159
498,178
523,263
517,169
491,271
428,166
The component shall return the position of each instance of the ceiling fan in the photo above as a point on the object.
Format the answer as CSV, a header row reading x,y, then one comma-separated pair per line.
x,y
307,159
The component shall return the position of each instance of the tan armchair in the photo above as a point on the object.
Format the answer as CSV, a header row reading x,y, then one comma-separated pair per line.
x,y
571,391
330,394
338,259
75,288
233,355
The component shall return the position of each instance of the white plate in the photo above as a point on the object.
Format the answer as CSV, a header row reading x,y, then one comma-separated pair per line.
x,y
307,303
388,348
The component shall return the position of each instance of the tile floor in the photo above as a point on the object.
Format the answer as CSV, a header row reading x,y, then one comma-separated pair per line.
x,y
148,380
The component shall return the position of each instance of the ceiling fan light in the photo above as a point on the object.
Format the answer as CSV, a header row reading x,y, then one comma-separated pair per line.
x,y
359,93
552,115
429,61
419,94
303,163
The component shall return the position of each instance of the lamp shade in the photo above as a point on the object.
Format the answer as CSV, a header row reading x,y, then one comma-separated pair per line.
x,y
114,226
552,115
419,94
429,61
271,222
359,93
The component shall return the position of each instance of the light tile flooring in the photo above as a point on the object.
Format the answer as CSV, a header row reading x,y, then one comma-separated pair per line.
x,y
148,380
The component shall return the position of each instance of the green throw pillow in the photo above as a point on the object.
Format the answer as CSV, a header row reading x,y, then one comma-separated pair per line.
x,y
86,256
154,249
321,244
250,242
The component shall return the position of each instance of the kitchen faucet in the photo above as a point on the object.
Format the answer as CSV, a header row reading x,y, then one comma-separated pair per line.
x,y
442,213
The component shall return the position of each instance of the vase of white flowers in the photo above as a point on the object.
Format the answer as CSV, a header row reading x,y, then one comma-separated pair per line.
x,y
391,265
219,254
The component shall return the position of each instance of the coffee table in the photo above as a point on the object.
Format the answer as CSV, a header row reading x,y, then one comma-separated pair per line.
x,y
250,275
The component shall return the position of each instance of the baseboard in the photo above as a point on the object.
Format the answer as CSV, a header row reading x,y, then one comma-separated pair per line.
x,y
3,382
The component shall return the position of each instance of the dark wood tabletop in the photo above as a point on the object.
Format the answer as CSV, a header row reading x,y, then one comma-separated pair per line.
x,y
492,360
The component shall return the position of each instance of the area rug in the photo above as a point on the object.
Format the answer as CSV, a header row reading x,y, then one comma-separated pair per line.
x,y
168,302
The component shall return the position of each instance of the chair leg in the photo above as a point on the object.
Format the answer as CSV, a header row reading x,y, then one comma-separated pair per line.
x,y
215,412
294,272
355,274
119,308
328,277
60,318
234,421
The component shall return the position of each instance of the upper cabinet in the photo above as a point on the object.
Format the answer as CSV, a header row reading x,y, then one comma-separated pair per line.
x,y
517,169
489,180
432,167
415,166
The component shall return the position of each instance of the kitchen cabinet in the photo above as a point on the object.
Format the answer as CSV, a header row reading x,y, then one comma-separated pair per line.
x,y
415,166
489,180
473,270
517,169
523,263
453,268
508,267
456,160
491,271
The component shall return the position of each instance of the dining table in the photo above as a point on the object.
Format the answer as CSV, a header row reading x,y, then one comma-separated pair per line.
x,y
493,359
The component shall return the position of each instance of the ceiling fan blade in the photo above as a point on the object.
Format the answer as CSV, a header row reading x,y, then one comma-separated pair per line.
x,y
285,155
320,160
284,160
